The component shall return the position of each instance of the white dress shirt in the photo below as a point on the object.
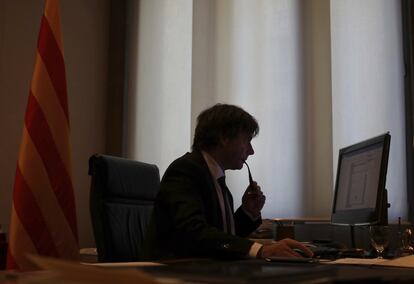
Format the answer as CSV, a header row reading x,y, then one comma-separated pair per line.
x,y
217,172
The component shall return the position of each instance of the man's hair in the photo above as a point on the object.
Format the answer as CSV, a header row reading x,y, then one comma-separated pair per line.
x,y
222,120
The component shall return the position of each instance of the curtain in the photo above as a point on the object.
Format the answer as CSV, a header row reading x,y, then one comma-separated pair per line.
x,y
368,84
408,28
158,103
275,58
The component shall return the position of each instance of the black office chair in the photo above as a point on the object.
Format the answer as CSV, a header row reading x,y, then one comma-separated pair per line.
x,y
121,201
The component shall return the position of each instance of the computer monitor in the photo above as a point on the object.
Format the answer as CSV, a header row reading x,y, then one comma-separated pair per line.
x,y
360,195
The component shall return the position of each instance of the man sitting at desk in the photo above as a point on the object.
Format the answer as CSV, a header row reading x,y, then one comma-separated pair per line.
x,y
193,213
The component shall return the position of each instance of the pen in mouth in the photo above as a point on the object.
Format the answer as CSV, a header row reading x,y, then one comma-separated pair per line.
x,y
250,174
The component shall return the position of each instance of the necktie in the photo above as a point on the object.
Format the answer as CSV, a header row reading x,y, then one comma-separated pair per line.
x,y
228,205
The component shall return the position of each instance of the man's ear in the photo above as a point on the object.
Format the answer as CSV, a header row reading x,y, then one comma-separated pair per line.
x,y
223,140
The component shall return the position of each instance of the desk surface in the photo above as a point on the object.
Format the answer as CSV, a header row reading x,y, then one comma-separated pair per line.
x,y
213,271
260,271
248,271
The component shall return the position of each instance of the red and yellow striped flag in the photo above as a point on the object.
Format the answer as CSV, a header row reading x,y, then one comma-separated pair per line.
x,y
43,217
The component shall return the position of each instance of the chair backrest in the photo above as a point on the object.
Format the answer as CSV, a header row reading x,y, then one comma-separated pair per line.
x,y
121,201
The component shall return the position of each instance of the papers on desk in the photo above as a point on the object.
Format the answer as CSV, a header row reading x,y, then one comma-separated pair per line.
x,y
404,262
123,264
357,261
62,271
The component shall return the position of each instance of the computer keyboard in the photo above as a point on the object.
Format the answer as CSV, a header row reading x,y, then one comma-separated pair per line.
x,y
325,252
328,252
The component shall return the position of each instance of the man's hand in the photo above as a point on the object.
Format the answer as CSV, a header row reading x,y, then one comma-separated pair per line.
x,y
284,248
253,199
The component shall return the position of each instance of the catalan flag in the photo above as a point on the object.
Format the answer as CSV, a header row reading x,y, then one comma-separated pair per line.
x,y
43,217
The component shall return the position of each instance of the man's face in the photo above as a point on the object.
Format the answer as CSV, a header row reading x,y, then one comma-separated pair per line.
x,y
236,150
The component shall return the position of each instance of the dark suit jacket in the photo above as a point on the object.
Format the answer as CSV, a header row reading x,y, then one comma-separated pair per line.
x,y
187,220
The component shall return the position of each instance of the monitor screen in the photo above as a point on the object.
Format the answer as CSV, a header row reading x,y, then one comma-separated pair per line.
x,y
360,196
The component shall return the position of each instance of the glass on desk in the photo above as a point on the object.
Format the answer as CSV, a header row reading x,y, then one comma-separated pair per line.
x,y
283,229
379,236
406,239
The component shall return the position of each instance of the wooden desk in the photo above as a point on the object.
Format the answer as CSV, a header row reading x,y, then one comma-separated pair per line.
x,y
213,271
260,271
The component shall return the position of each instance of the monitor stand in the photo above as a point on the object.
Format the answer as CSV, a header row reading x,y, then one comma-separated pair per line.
x,y
352,232
385,206
383,218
